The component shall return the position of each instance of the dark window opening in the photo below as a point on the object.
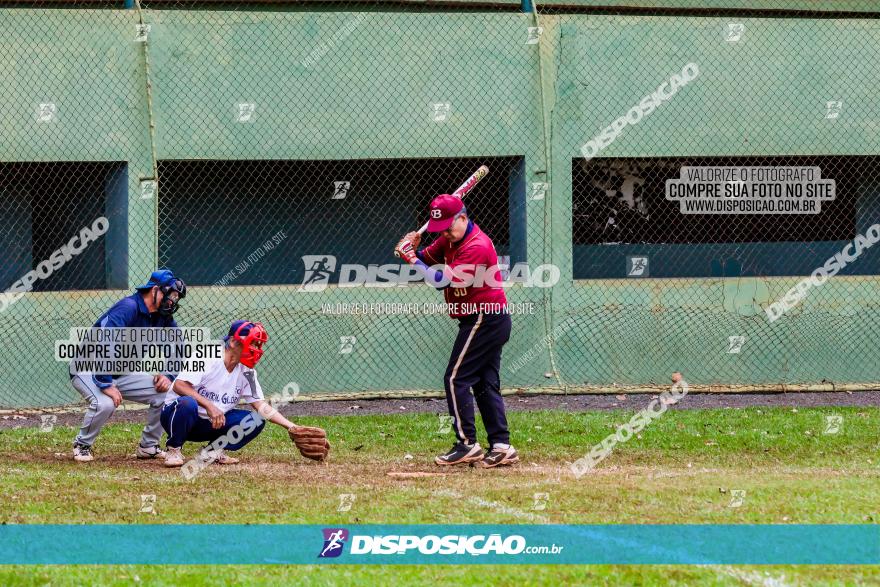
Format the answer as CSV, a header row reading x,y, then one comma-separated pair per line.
x,y
44,205
619,211
215,216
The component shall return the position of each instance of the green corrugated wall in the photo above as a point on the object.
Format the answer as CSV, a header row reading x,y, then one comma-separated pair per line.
x,y
370,98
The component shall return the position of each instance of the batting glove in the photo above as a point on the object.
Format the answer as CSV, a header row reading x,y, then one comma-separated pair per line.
x,y
415,238
406,251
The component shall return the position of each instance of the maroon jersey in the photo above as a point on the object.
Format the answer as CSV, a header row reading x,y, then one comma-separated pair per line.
x,y
475,250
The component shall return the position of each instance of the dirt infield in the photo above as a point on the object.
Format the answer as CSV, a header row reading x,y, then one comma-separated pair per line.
x,y
72,416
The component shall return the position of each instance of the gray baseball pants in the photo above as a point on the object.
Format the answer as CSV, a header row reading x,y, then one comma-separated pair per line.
x,y
136,387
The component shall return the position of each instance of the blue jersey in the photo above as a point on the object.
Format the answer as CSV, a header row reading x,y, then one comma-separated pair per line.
x,y
130,312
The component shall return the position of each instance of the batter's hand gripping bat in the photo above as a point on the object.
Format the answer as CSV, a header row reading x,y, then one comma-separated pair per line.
x,y
466,187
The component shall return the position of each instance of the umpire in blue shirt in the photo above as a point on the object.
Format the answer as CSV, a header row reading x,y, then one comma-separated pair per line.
x,y
151,306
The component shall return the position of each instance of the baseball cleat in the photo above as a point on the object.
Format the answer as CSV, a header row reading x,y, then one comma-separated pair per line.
x,y
217,457
149,452
500,457
173,457
460,454
82,453
225,459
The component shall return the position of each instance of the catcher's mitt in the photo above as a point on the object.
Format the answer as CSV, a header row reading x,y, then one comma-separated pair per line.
x,y
312,442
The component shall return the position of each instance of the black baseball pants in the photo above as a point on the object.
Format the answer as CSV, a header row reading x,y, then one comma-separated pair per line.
x,y
475,364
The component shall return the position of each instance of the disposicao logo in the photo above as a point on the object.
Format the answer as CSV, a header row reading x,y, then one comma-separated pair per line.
x,y
406,544
443,545
334,540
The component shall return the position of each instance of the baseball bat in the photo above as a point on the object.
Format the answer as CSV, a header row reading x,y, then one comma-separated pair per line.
x,y
462,190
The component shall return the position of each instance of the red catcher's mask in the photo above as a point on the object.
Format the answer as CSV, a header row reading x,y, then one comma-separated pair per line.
x,y
252,344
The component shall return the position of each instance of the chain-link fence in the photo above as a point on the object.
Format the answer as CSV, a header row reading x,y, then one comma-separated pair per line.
x,y
272,154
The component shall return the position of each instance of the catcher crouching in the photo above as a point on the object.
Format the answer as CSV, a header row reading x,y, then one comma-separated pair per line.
x,y
201,406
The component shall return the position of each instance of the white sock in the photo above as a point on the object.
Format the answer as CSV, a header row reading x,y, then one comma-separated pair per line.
x,y
500,446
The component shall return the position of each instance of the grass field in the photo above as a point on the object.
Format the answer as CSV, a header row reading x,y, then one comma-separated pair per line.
x,y
681,470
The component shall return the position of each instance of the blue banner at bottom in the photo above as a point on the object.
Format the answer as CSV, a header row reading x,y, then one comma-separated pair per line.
x,y
440,544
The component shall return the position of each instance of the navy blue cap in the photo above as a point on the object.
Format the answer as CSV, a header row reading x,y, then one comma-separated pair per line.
x,y
236,324
160,277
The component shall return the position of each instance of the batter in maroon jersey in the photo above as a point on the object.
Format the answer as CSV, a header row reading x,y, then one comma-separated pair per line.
x,y
463,262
